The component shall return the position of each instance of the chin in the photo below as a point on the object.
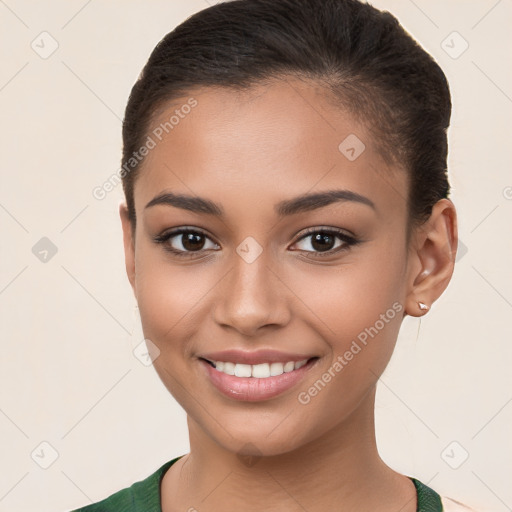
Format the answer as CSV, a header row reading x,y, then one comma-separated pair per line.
x,y
258,443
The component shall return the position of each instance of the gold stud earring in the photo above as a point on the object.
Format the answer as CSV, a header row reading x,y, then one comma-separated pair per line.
x,y
423,306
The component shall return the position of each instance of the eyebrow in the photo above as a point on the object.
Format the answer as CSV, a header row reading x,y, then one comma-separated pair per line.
x,y
295,205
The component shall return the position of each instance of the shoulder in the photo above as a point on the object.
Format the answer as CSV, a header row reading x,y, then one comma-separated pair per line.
x,y
121,501
451,505
430,500
142,496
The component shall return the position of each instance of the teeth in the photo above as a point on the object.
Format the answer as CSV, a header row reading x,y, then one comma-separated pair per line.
x,y
280,368
229,368
258,371
242,370
289,367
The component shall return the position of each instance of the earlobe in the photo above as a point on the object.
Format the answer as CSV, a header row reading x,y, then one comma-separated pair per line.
x,y
129,245
433,258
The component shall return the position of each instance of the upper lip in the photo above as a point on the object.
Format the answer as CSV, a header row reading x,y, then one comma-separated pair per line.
x,y
255,357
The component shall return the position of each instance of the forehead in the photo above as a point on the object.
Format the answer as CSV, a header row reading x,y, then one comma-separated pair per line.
x,y
277,139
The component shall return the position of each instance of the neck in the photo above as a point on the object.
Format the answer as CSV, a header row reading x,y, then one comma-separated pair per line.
x,y
340,470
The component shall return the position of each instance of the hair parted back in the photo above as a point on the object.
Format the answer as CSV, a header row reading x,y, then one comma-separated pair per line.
x,y
372,66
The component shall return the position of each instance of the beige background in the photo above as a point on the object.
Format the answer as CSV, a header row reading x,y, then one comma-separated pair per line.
x,y
69,327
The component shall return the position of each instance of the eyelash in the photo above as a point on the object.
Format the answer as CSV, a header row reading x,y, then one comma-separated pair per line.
x,y
348,240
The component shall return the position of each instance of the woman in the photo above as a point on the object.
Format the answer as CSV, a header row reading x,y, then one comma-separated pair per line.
x,y
284,168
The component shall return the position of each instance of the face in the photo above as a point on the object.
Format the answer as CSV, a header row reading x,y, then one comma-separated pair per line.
x,y
258,268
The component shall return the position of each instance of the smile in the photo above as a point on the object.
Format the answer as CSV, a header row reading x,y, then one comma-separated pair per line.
x,y
258,371
255,382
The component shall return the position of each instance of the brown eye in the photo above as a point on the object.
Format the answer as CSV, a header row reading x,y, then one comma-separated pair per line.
x,y
324,241
192,241
185,242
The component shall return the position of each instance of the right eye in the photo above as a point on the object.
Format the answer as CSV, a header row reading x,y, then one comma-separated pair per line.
x,y
188,242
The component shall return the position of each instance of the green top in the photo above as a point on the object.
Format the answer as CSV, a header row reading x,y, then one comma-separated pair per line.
x,y
144,496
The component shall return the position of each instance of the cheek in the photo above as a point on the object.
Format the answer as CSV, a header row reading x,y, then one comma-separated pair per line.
x,y
352,297
170,298
358,311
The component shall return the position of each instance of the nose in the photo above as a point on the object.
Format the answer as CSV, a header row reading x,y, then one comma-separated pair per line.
x,y
252,296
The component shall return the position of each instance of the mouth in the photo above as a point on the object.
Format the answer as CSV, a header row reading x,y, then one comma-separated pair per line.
x,y
256,382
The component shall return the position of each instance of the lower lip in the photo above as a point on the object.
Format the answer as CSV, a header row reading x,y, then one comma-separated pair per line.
x,y
252,389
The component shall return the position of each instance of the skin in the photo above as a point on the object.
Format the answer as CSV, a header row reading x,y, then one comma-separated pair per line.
x,y
247,151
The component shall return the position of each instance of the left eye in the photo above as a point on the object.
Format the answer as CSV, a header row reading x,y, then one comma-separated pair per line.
x,y
324,241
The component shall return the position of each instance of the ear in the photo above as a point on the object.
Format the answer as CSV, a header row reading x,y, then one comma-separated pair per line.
x,y
129,245
431,257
